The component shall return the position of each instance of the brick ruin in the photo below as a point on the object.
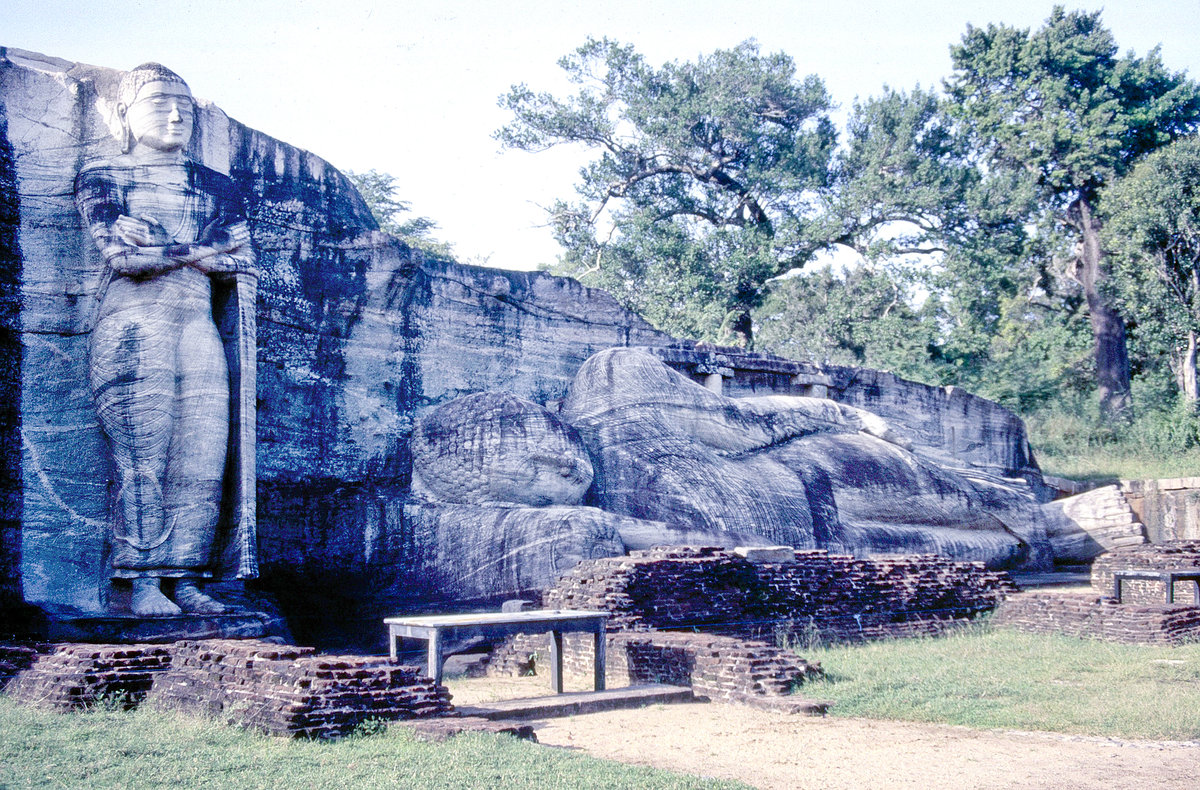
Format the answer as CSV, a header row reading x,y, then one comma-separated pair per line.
x,y
1143,616
79,676
277,689
832,596
713,619
285,690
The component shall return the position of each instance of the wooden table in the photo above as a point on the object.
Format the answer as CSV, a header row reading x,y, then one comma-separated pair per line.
x,y
556,622
1168,577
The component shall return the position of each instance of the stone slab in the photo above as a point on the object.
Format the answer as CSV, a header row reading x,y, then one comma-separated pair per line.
x,y
443,729
162,630
791,705
579,702
766,553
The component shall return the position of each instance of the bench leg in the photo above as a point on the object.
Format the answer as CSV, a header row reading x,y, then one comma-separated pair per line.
x,y
600,658
556,650
1117,588
433,658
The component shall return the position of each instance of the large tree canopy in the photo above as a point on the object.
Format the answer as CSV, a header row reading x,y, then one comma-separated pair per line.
x,y
1060,106
705,181
1153,231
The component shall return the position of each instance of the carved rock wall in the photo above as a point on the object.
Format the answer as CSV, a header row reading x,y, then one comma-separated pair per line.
x,y
358,336
1169,508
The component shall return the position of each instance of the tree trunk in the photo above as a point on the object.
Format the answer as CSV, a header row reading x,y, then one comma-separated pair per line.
x,y
1108,328
1189,385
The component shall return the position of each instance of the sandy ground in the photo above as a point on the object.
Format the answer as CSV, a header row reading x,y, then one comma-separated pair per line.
x,y
774,750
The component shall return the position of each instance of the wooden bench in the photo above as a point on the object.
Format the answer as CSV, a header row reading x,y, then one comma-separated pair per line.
x,y
556,622
1167,577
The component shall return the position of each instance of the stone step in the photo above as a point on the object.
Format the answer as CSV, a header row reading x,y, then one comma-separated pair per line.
x,y
576,702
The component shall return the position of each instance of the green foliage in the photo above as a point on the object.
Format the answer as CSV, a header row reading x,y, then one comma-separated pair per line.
x,y
1009,680
1071,439
857,317
111,749
704,182
1060,103
379,190
1060,107
1153,231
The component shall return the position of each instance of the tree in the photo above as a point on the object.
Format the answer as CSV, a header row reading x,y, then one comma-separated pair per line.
x,y
1059,106
379,191
1153,229
859,316
704,184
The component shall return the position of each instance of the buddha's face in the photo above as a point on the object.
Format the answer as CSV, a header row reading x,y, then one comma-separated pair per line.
x,y
161,115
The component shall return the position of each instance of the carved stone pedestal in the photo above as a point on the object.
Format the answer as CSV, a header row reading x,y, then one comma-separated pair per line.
x,y
127,628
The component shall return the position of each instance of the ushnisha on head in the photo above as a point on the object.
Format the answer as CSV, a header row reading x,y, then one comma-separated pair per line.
x,y
155,108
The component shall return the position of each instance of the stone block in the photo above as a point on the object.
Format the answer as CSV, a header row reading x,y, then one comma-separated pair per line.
x,y
766,553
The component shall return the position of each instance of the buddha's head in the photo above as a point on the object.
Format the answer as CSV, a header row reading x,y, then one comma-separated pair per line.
x,y
156,109
495,447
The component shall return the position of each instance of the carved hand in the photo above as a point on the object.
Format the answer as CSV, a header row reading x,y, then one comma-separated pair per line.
x,y
225,239
144,231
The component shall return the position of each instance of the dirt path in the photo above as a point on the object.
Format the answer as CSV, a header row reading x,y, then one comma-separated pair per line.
x,y
773,750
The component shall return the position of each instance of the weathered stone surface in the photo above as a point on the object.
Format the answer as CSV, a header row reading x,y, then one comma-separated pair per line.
x,y
1083,526
494,447
1169,509
805,472
359,337
766,553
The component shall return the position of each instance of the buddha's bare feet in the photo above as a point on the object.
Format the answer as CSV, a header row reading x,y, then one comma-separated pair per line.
x,y
189,597
149,601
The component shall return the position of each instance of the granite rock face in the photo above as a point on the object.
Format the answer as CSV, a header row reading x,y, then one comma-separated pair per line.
x,y
798,471
495,447
360,337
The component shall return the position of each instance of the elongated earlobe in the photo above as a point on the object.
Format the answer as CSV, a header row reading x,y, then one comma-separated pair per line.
x,y
126,139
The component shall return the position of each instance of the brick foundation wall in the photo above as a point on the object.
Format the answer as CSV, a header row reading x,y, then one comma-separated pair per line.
x,y
278,689
14,659
744,609
1176,554
837,597
285,690
1099,617
721,668
79,676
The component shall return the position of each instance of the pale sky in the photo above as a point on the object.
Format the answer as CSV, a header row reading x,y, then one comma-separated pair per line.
x,y
410,88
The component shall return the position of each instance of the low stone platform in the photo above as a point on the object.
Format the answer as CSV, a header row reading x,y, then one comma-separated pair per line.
x,y
126,629
577,702
1087,615
79,676
285,690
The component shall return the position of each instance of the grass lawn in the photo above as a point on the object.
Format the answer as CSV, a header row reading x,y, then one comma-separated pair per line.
x,y
112,749
996,678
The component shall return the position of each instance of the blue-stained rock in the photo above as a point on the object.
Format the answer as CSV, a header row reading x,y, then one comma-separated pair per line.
x,y
358,337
